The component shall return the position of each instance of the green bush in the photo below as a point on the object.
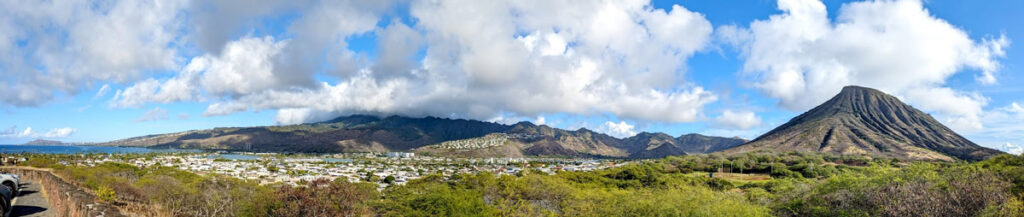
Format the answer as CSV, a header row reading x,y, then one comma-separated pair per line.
x,y
105,194
786,173
720,184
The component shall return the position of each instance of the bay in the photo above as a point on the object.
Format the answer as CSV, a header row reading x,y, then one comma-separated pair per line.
x,y
77,149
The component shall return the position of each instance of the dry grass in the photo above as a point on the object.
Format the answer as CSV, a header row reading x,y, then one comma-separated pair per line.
x,y
140,210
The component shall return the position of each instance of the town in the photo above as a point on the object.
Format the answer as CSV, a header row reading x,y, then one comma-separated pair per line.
x,y
394,168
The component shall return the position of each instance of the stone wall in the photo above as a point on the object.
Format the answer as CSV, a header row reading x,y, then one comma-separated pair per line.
x,y
65,199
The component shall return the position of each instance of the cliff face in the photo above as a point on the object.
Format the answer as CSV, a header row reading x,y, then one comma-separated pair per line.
x,y
866,121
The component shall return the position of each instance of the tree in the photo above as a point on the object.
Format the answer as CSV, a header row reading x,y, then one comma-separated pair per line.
x,y
370,177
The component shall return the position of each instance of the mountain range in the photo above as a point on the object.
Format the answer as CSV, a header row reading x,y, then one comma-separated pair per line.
x,y
434,136
857,121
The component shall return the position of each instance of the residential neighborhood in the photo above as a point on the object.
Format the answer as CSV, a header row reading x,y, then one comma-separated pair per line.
x,y
394,168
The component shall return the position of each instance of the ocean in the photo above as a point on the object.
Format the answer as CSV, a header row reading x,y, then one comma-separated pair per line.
x,y
74,149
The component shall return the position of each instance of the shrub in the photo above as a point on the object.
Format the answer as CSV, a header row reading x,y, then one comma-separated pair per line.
x,y
720,184
105,194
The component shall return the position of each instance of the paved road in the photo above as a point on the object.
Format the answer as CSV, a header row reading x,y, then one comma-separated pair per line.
x,y
31,202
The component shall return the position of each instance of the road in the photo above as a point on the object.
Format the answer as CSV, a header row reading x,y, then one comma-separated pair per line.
x,y
31,202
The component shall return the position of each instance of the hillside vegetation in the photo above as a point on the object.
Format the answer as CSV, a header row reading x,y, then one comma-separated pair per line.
x,y
752,184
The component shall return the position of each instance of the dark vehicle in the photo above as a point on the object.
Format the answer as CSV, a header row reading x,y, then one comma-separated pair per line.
x,y
6,195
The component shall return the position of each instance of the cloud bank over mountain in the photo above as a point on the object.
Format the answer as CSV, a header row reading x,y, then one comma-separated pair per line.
x,y
472,59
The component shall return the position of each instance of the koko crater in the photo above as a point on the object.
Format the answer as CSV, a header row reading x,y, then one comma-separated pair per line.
x,y
857,121
865,121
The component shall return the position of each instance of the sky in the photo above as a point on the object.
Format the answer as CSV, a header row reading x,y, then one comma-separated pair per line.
x,y
93,71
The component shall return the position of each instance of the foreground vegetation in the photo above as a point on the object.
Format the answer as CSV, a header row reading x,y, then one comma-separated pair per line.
x,y
757,184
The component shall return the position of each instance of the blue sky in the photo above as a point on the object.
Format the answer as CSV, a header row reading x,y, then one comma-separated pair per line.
x,y
104,70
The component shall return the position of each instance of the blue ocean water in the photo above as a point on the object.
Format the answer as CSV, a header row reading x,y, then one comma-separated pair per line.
x,y
74,149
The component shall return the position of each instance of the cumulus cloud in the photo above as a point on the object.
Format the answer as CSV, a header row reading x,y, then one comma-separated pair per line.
x,y
59,132
619,130
737,120
154,114
12,132
1012,149
28,132
245,66
803,58
469,59
1015,108
1002,126
540,120
48,47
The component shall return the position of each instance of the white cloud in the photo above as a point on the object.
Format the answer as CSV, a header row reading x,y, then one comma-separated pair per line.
x,y
1002,126
244,67
1015,108
962,111
1012,149
481,59
26,133
102,91
154,114
12,132
619,130
803,58
737,120
59,132
49,47
397,45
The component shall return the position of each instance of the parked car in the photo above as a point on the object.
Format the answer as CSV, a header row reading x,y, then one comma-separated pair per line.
x,y
6,196
12,181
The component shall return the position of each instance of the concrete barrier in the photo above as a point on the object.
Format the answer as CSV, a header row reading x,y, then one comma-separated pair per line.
x,y
65,198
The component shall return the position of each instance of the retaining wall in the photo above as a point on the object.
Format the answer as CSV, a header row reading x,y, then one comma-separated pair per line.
x,y
65,199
